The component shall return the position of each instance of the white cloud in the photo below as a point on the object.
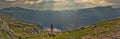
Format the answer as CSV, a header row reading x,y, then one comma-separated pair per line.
x,y
28,2
97,2
16,2
32,2
39,1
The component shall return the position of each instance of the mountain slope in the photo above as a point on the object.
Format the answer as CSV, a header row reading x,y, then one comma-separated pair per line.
x,y
103,30
11,28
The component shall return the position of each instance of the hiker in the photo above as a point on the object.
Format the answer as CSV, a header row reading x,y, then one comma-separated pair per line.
x,y
52,31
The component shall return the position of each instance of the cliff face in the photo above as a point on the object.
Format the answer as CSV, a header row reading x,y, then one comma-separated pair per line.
x,y
11,28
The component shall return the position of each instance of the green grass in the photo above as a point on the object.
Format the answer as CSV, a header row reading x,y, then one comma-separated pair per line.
x,y
4,35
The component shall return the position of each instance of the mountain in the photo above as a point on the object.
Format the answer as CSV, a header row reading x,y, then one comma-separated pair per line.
x,y
12,28
97,14
64,19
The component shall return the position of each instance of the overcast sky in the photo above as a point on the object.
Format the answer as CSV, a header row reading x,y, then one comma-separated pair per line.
x,y
58,4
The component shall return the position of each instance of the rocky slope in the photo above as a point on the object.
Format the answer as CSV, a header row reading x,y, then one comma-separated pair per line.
x,y
11,28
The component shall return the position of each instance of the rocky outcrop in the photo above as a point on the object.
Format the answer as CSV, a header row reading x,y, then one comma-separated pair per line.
x,y
12,28
4,27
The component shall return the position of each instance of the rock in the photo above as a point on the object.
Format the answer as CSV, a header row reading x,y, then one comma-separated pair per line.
x,y
16,29
5,28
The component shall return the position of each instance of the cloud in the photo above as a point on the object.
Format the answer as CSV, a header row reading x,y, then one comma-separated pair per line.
x,y
78,4
32,2
115,3
29,2
21,2
10,0
60,4
59,0
97,2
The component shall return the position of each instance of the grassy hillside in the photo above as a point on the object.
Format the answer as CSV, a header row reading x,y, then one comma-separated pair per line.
x,y
103,30
96,31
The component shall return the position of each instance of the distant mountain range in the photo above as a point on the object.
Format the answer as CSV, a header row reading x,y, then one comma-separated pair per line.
x,y
64,19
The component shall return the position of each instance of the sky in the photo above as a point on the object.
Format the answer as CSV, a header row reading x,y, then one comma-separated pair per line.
x,y
58,4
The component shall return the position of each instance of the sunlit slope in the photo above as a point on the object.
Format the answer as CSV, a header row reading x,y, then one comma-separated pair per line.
x,y
103,30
